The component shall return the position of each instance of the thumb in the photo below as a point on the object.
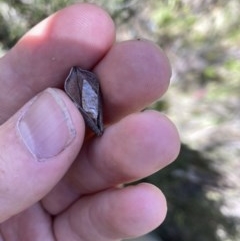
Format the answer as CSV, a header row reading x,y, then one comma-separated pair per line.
x,y
37,146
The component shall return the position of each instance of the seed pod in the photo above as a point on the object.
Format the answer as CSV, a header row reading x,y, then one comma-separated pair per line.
x,y
83,88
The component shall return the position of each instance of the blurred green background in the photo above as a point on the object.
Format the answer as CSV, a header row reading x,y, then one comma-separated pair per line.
x,y
202,41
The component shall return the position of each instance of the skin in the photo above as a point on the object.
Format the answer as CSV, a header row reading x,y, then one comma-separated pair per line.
x,y
78,194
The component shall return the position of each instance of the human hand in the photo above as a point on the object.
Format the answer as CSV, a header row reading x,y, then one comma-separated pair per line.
x,y
55,184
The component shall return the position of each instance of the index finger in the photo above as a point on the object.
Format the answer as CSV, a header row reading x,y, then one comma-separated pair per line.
x,y
77,35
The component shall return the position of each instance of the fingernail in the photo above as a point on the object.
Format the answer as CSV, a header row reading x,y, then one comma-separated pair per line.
x,y
46,126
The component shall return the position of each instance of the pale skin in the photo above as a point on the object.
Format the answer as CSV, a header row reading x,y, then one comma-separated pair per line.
x,y
77,194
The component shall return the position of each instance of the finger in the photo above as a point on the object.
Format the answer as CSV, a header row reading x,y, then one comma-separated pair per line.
x,y
113,215
32,224
38,144
135,147
131,149
77,35
133,74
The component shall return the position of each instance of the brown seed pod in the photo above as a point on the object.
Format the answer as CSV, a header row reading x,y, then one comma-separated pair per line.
x,y
83,88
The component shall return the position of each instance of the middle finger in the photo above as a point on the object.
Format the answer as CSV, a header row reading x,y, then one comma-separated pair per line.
x,y
133,74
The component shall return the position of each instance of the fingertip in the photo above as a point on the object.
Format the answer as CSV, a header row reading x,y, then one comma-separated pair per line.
x,y
115,214
168,134
133,74
137,146
136,210
143,208
72,36
83,21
